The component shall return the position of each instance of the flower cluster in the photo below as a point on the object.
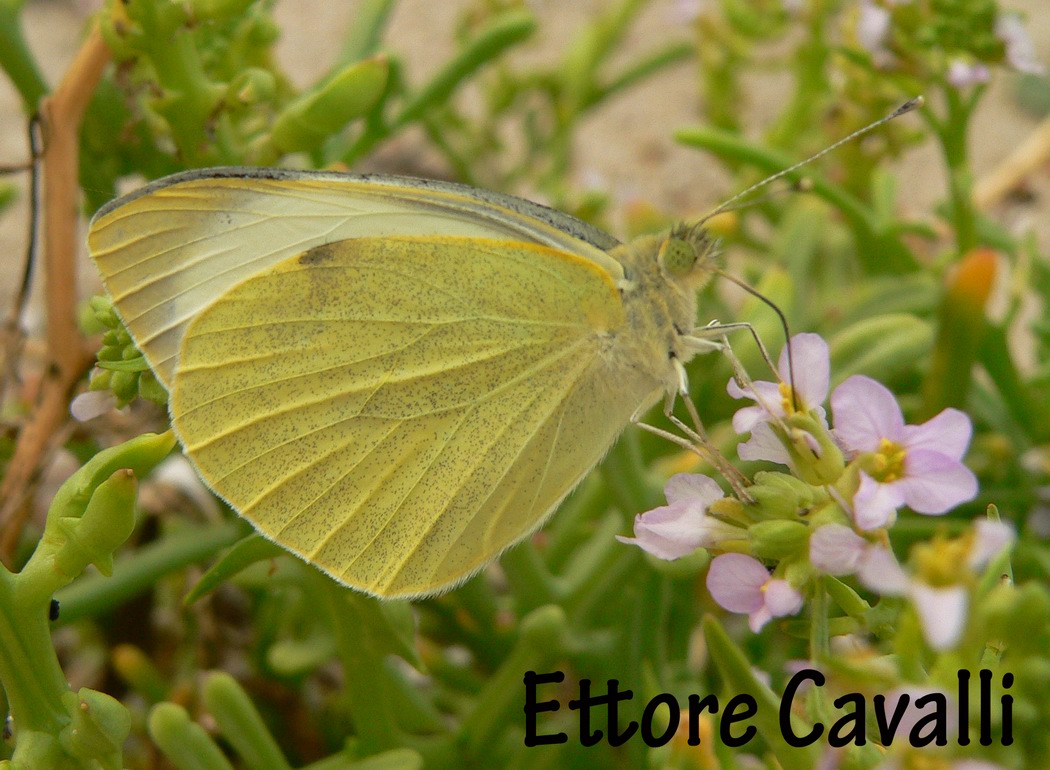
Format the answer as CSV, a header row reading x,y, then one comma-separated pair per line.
x,y
888,31
831,515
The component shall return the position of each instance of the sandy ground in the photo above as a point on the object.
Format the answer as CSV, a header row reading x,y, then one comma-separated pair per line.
x,y
625,147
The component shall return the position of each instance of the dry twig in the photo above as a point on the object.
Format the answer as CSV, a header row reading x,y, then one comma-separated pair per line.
x,y
1029,157
68,355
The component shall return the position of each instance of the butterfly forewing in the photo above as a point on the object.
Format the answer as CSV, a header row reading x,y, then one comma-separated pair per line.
x,y
400,410
168,251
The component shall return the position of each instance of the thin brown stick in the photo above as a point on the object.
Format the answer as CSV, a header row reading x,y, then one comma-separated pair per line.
x,y
1026,159
68,355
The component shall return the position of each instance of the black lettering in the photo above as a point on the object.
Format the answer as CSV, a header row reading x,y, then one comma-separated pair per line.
x,y
938,721
587,738
696,708
785,709
854,720
616,738
986,706
533,707
887,732
725,726
1007,702
964,707
674,714
612,700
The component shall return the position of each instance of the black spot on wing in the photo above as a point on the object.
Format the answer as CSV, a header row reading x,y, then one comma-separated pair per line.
x,y
318,255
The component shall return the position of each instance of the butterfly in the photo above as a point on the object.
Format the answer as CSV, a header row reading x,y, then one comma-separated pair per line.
x,y
395,379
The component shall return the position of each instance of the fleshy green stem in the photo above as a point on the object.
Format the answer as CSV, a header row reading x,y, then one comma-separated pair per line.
x,y
90,516
15,57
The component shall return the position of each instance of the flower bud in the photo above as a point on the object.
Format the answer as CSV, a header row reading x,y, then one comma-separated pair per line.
x,y
151,389
776,540
107,522
780,495
251,86
816,458
98,728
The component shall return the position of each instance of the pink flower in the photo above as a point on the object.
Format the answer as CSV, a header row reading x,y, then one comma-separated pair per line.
x,y
915,465
942,609
91,404
990,538
681,527
873,28
773,400
835,549
742,584
963,74
1020,53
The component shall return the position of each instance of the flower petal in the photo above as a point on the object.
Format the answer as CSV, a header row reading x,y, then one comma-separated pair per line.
x,y
934,483
942,613
873,26
812,368
668,532
865,412
693,488
763,445
991,538
676,530
781,599
948,433
735,581
768,403
757,619
875,505
880,571
963,74
91,404
1020,52
835,549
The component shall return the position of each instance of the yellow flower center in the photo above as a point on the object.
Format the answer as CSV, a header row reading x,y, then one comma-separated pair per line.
x,y
888,463
938,561
787,403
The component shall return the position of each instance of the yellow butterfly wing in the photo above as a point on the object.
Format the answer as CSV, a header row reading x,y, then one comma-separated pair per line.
x,y
398,411
167,251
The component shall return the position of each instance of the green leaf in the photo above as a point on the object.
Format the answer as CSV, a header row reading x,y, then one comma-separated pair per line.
x,y
242,554
740,678
183,741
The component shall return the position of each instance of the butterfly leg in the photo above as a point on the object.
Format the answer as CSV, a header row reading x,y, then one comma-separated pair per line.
x,y
703,343
695,438
713,337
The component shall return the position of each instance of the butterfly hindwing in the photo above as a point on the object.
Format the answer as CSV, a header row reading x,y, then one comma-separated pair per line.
x,y
400,410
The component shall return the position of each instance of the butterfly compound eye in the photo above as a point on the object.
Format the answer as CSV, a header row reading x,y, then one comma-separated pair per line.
x,y
677,256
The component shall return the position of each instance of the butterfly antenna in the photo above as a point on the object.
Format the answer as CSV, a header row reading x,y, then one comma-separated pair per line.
x,y
905,108
783,325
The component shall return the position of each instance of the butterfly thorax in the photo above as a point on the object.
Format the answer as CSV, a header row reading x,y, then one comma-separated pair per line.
x,y
659,299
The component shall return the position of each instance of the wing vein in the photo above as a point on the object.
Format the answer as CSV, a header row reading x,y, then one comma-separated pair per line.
x,y
480,455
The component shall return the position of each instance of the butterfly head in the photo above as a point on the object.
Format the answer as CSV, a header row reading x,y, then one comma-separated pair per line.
x,y
687,255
